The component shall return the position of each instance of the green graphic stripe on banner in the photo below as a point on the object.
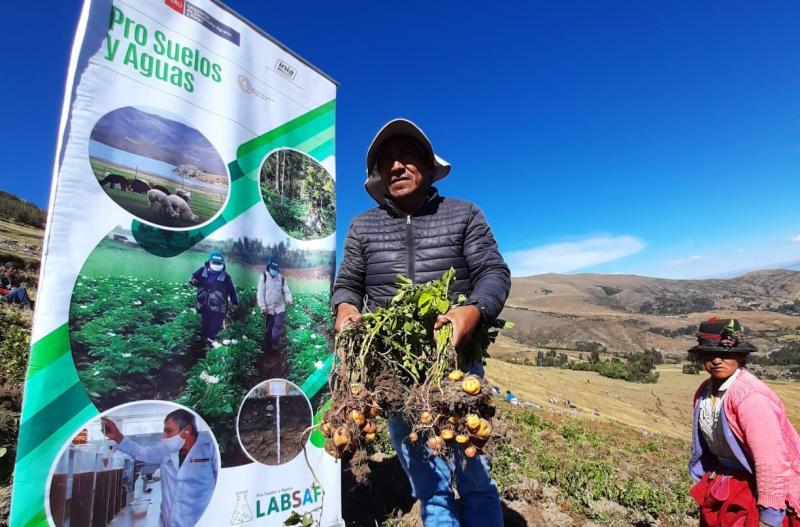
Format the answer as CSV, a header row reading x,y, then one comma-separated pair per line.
x,y
39,519
259,142
310,387
318,140
251,163
318,379
47,349
41,425
29,494
323,151
43,389
317,439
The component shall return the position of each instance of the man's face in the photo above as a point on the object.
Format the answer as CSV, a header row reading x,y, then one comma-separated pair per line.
x,y
11,271
170,428
404,169
721,365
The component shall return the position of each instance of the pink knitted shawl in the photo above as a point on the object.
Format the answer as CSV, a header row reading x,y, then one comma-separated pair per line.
x,y
757,418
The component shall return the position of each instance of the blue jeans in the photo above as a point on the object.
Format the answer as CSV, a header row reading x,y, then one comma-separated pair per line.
x,y
18,295
430,478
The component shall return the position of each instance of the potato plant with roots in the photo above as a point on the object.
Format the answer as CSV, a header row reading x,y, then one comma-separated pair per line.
x,y
394,362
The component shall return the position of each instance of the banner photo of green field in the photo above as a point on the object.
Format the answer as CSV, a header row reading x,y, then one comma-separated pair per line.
x,y
183,337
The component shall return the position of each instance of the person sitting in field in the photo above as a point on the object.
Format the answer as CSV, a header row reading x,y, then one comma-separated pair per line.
x,y
12,290
511,398
273,298
745,452
214,289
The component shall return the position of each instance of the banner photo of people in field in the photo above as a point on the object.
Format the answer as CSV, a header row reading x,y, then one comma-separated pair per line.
x,y
183,339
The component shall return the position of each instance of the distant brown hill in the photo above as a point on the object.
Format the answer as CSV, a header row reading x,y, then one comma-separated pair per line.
x,y
629,313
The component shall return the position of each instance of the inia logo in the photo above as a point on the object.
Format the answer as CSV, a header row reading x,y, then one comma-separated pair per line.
x,y
177,5
286,70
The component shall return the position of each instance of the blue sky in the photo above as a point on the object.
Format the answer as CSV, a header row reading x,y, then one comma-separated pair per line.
x,y
619,137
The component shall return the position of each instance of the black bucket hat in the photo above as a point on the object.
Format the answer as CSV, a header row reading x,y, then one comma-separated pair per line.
x,y
721,335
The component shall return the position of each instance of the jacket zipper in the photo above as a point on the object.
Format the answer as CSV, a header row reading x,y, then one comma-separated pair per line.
x,y
410,248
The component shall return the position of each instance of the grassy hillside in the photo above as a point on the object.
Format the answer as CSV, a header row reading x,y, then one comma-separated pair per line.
x,y
633,313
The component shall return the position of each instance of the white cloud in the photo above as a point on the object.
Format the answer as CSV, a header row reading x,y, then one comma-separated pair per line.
x,y
571,256
796,238
690,259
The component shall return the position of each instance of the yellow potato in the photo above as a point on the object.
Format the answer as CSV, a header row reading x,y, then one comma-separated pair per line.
x,y
340,437
358,417
456,375
484,430
473,422
471,385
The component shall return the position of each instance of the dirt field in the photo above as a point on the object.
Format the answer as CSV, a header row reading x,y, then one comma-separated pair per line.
x,y
258,426
664,407
21,240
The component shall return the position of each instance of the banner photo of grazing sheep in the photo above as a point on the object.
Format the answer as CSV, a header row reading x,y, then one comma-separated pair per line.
x,y
188,260
157,168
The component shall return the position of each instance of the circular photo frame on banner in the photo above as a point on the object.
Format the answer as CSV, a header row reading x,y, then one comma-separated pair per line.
x,y
164,172
299,194
136,464
274,422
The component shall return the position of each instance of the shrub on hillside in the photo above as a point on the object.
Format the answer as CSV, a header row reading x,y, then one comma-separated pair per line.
x,y
691,368
20,210
14,344
636,367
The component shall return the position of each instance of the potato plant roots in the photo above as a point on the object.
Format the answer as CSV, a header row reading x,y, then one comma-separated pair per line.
x,y
395,363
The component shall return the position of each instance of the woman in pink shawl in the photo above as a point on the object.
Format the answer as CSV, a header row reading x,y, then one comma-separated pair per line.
x,y
745,452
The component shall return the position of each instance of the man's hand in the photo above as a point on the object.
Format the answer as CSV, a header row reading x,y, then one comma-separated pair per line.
x,y
464,320
111,431
346,314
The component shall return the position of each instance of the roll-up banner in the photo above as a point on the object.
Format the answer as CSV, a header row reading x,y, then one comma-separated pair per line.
x,y
182,336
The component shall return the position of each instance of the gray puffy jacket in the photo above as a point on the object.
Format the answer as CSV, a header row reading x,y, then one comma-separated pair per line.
x,y
445,232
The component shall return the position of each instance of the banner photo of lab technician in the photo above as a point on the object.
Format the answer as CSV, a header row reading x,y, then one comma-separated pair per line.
x,y
181,262
144,464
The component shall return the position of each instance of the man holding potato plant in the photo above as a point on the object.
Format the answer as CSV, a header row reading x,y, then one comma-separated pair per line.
x,y
417,233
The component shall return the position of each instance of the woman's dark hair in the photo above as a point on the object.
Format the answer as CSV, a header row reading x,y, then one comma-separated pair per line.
x,y
183,418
